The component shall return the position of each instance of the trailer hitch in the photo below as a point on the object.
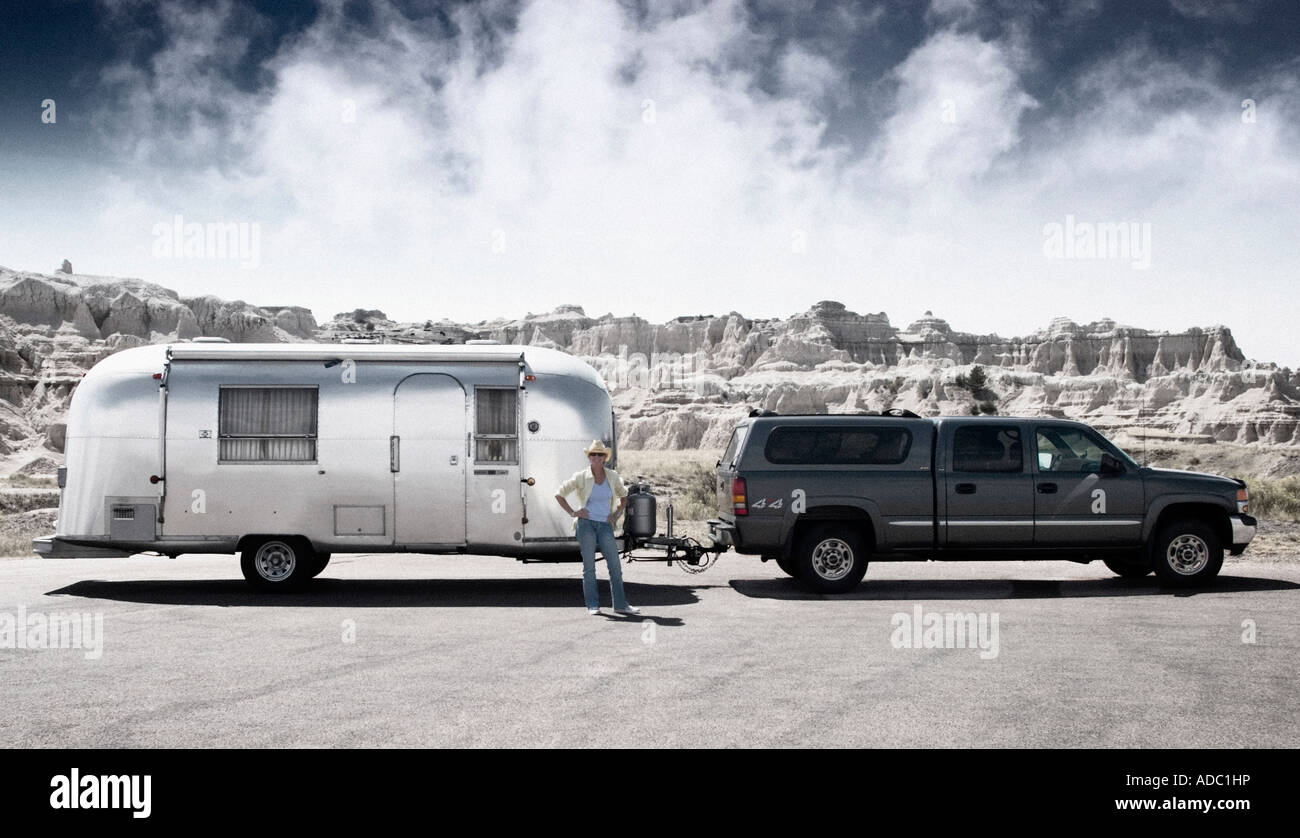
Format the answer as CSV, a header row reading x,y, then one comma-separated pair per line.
x,y
690,555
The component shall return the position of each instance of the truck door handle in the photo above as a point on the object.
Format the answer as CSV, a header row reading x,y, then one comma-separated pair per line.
x,y
1046,488
965,488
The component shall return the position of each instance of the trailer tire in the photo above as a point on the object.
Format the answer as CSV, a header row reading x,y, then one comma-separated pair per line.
x,y
832,558
1187,553
322,561
278,563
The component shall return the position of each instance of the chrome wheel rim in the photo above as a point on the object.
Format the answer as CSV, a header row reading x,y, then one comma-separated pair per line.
x,y
275,561
1188,554
832,559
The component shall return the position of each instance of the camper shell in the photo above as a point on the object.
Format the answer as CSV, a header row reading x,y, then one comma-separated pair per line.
x,y
216,448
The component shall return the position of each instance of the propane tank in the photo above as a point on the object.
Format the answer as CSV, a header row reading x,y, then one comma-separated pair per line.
x,y
641,517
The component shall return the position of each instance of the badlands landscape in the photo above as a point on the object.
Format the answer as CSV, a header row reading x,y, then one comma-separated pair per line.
x,y
1190,398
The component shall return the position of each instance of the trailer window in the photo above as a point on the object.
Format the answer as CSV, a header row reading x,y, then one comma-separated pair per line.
x,y
267,424
496,436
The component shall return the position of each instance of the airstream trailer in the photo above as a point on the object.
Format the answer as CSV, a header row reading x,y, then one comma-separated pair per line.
x,y
287,453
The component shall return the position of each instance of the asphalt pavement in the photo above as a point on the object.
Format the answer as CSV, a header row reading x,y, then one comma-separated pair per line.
x,y
402,650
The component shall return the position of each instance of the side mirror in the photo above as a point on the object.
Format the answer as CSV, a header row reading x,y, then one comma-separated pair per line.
x,y
1110,464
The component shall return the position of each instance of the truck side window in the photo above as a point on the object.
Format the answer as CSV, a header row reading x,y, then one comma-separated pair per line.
x,y
1067,450
987,448
873,446
267,424
496,436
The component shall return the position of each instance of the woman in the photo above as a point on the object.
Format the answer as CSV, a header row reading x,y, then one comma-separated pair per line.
x,y
601,498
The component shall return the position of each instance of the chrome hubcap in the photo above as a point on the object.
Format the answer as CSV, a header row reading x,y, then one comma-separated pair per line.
x,y
275,561
832,559
1188,554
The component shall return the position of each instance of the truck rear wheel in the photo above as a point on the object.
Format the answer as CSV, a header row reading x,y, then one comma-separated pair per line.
x,y
1131,567
1187,553
279,563
832,558
789,565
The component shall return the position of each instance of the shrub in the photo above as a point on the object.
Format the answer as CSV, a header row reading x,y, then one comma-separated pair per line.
x,y
1278,500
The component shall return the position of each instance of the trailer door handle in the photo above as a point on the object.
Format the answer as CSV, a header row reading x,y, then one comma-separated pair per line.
x,y
394,454
1046,488
965,488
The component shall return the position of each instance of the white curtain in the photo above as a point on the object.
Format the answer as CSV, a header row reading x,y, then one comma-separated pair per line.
x,y
268,424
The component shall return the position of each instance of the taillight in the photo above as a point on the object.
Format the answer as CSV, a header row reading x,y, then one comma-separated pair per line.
x,y
739,505
1243,500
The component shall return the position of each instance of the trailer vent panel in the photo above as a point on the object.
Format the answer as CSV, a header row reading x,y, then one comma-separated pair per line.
x,y
132,521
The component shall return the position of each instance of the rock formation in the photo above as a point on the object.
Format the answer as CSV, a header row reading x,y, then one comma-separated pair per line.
x,y
684,383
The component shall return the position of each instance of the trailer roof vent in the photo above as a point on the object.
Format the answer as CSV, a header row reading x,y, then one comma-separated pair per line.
x,y
209,339
482,342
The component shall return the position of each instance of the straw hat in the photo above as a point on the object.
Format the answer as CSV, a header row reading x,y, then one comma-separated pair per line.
x,y
598,447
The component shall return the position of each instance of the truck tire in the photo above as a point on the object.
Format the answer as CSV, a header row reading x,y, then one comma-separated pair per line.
x,y
831,558
1130,567
789,565
1187,553
278,563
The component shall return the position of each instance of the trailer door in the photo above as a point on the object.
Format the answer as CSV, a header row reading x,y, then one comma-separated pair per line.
x,y
427,459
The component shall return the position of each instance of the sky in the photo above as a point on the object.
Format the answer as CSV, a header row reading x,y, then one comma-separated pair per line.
x,y
998,163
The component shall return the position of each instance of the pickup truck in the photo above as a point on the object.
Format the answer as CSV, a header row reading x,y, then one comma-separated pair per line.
x,y
821,494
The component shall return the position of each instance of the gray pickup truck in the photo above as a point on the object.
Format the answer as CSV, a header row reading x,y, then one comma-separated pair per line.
x,y
820,494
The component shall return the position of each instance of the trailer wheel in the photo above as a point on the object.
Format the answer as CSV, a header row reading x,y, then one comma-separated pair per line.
x,y
1187,553
832,558
1130,567
322,561
279,563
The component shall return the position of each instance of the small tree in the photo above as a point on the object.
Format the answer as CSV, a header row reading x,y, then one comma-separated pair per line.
x,y
977,381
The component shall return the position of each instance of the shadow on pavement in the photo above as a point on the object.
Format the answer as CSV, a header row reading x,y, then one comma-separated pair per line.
x,y
384,593
912,589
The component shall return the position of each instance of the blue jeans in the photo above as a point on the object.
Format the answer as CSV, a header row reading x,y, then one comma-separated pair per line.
x,y
590,535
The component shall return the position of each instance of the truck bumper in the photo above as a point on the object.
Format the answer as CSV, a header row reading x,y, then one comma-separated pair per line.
x,y
1243,530
722,533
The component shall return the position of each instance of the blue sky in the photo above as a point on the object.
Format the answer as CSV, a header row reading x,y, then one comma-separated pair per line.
x,y
475,160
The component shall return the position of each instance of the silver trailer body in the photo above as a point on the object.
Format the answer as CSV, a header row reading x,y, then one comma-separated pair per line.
x,y
200,448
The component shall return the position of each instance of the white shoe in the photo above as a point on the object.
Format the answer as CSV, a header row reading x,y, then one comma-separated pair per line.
x,y
631,609
595,612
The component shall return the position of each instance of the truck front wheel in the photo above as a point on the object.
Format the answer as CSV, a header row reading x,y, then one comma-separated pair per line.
x,y
832,558
1187,553
278,564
